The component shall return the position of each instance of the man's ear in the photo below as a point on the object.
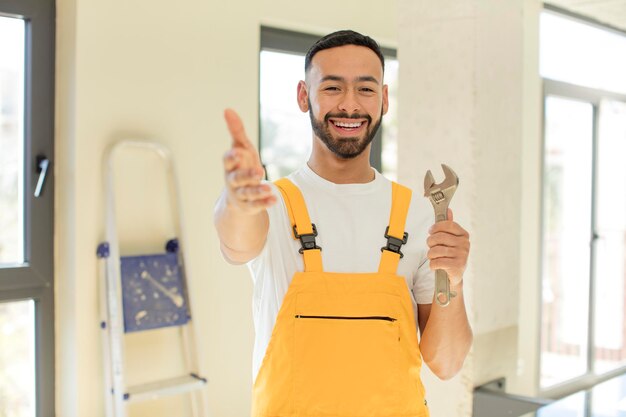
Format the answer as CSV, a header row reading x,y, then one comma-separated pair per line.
x,y
385,98
303,97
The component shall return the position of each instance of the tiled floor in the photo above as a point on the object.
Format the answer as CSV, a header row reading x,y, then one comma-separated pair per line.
x,y
607,399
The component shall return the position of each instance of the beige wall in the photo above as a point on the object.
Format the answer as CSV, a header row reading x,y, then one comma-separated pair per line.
x,y
163,71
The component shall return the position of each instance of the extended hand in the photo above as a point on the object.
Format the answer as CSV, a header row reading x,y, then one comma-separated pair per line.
x,y
449,248
243,170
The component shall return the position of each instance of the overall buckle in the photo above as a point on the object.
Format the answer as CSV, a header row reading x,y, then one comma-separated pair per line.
x,y
306,239
393,243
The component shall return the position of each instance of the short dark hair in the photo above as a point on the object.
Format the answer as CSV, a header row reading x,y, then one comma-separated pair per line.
x,y
341,38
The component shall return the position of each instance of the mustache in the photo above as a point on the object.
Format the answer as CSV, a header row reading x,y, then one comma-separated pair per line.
x,y
348,116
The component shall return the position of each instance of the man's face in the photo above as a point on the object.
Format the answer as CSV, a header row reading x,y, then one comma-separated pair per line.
x,y
345,97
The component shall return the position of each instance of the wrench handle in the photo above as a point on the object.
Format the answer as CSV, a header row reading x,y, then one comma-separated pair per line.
x,y
442,288
442,216
441,210
442,283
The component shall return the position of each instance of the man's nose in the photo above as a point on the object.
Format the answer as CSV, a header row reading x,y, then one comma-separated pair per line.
x,y
349,103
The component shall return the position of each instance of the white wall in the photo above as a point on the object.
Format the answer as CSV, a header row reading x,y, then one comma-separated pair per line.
x,y
164,71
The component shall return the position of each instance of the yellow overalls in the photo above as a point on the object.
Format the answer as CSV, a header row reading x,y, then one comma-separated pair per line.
x,y
344,345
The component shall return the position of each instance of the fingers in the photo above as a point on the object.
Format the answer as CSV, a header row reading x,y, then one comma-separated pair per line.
x,y
437,252
449,247
446,245
454,266
445,239
246,192
448,226
260,204
451,259
243,177
236,129
242,153
231,159
253,192
243,171
252,199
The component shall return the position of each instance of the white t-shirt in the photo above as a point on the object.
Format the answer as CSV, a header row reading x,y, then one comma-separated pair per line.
x,y
351,220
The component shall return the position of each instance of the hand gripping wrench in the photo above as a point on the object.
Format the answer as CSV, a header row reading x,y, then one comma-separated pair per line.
x,y
440,196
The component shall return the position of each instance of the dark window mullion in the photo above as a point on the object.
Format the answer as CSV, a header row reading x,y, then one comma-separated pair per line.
x,y
34,279
376,152
21,277
44,353
18,8
39,131
592,243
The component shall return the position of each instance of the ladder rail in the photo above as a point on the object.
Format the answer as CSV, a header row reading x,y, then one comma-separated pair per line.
x,y
114,314
106,352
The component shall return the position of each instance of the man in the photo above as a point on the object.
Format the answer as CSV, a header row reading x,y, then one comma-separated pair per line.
x,y
336,328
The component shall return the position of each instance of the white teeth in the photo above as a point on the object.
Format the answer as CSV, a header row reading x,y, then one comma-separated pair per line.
x,y
348,125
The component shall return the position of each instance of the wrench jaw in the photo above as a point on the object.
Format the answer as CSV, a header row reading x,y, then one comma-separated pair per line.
x,y
429,182
441,194
451,180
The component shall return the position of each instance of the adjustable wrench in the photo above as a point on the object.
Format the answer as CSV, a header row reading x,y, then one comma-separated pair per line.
x,y
440,196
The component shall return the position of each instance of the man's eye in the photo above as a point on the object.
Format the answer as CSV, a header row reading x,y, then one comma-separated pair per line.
x,y
367,90
331,88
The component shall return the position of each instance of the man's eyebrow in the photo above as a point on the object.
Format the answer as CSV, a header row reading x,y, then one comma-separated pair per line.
x,y
362,78
367,78
333,78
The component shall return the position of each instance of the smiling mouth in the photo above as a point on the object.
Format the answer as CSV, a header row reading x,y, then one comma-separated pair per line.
x,y
348,126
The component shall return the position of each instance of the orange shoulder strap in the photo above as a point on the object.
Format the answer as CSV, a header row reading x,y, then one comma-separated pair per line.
x,y
400,202
300,222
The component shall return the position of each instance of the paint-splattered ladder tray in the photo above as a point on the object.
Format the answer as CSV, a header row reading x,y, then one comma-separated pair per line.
x,y
153,292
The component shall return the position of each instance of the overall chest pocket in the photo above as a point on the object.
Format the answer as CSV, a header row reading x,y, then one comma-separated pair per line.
x,y
346,364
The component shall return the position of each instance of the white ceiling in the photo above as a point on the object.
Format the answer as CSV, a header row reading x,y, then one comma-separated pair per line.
x,y
610,12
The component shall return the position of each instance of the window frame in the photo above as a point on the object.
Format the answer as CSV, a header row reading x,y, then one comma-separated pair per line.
x,y
554,88
34,279
593,96
287,41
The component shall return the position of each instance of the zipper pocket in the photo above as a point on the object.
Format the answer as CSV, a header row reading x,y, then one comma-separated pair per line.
x,y
384,318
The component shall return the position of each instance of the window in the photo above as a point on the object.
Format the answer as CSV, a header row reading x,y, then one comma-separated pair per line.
x,y
583,273
26,208
582,54
285,131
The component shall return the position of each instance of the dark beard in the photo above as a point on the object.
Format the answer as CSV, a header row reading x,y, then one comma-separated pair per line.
x,y
345,148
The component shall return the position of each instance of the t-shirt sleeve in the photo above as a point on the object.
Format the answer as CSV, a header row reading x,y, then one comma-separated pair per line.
x,y
423,277
424,284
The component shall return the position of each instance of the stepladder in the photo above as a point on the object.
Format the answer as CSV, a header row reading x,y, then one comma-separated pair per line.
x,y
144,293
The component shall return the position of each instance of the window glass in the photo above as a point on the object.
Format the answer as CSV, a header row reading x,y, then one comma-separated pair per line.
x,y
566,237
390,122
582,54
11,140
610,260
285,130
571,406
17,359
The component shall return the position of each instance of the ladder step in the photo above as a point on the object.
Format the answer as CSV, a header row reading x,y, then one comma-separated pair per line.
x,y
172,386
